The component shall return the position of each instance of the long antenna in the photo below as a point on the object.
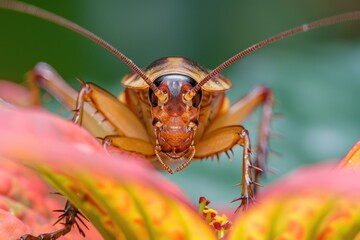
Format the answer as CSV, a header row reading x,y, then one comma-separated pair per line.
x,y
304,28
41,13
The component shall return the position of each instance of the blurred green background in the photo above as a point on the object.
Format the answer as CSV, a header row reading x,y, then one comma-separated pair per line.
x,y
315,76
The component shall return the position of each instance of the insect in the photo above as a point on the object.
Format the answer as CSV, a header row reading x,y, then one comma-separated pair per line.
x,y
172,112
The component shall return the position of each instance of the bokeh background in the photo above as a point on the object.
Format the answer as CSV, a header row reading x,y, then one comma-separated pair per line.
x,y
315,76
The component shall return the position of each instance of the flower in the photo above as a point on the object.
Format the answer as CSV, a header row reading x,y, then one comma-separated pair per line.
x,y
125,198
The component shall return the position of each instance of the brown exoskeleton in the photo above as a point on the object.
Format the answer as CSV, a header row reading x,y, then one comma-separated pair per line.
x,y
172,112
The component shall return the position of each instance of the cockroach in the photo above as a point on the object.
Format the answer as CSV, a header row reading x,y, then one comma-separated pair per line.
x,y
172,112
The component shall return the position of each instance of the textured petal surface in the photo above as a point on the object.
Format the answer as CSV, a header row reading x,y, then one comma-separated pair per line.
x,y
121,195
318,202
26,205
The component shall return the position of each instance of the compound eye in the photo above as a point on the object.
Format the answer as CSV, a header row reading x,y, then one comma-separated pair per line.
x,y
153,99
196,100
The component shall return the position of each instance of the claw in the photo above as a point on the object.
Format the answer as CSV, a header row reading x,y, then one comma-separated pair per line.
x,y
245,201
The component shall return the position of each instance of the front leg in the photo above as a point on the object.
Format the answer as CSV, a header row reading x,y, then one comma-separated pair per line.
x,y
128,144
223,140
239,111
44,76
71,215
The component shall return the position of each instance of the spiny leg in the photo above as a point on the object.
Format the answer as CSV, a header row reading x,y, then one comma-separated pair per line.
x,y
46,77
70,213
262,148
223,140
97,110
247,192
71,216
239,111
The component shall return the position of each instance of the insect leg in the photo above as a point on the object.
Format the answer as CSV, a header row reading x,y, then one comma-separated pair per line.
x,y
71,215
223,140
123,120
44,76
128,144
241,110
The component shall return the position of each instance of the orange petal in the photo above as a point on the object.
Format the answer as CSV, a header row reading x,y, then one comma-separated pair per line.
x,y
312,203
122,195
352,158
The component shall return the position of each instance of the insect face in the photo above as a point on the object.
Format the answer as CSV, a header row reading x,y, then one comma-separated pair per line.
x,y
174,119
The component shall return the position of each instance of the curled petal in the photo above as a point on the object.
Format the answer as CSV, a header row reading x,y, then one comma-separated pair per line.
x,y
122,195
317,202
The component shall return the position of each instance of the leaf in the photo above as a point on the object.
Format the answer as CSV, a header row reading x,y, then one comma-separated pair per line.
x,y
121,195
316,202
